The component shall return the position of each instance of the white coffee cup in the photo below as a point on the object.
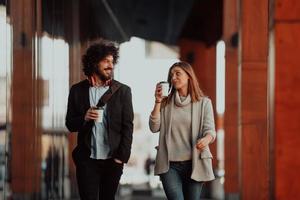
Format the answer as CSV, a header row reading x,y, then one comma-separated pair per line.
x,y
100,112
164,88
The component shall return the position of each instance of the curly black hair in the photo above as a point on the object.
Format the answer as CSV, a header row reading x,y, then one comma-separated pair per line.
x,y
96,52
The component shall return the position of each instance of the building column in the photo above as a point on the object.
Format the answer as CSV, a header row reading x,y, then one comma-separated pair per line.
x,y
254,119
287,99
230,36
26,132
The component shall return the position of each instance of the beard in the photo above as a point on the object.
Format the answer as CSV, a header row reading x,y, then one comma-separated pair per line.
x,y
102,76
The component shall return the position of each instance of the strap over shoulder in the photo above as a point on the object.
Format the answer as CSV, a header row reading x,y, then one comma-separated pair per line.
x,y
114,86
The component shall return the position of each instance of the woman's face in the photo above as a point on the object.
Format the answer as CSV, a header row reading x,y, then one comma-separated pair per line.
x,y
179,78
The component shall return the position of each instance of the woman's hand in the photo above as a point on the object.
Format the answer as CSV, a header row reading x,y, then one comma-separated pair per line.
x,y
202,143
158,99
158,93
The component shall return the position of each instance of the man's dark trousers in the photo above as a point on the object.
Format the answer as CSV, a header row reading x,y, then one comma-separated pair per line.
x,y
98,179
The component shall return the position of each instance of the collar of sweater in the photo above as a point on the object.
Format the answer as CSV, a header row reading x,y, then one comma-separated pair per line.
x,y
180,103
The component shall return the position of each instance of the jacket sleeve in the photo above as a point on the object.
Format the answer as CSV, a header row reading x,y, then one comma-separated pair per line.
x,y
154,124
208,121
74,119
124,149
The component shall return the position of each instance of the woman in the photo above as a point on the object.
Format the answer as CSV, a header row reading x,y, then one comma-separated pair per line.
x,y
186,124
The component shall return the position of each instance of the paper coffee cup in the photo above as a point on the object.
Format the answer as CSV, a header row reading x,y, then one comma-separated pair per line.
x,y
164,89
100,112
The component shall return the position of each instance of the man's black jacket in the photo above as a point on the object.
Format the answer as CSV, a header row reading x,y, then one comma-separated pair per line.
x,y
119,117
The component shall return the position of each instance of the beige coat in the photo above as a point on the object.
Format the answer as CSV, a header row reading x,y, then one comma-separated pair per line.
x,y
202,124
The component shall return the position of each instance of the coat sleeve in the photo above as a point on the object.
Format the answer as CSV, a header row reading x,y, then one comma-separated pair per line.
x,y
154,124
208,121
124,149
74,120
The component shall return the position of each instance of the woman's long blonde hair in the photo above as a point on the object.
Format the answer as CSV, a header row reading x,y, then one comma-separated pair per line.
x,y
193,86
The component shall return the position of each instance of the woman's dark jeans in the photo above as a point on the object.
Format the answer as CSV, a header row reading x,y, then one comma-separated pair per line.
x,y
178,184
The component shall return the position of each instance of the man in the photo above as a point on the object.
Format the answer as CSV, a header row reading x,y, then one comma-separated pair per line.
x,y
102,147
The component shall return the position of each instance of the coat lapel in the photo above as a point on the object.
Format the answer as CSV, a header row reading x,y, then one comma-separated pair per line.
x,y
86,95
195,122
168,119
